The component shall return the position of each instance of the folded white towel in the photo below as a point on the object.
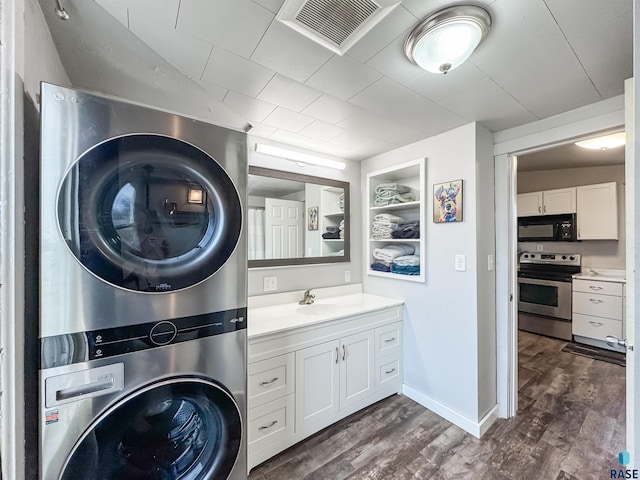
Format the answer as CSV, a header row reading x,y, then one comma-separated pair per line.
x,y
387,219
389,252
407,260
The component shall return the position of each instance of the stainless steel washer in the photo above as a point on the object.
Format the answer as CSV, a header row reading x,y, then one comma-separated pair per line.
x,y
142,292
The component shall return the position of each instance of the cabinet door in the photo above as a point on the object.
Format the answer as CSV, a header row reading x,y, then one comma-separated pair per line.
x,y
597,212
356,368
529,204
562,200
317,370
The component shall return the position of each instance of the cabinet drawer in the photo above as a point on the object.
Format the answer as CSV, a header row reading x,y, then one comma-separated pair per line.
x,y
270,379
388,339
595,327
593,286
270,423
598,305
387,372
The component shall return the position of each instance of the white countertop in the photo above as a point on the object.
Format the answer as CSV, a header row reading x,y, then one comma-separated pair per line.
x,y
266,317
602,275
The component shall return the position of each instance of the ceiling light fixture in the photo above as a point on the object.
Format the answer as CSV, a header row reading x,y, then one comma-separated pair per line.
x,y
298,157
446,39
603,143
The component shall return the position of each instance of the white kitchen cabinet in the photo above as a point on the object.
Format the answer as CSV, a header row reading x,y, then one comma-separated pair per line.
x,y
598,311
597,207
304,379
548,202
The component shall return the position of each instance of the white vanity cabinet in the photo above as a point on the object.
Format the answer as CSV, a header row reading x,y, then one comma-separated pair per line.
x,y
598,310
302,380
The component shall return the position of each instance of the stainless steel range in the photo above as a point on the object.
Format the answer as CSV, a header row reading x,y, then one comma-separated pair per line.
x,y
544,292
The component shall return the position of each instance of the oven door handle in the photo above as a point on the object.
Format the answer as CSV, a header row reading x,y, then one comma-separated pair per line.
x,y
537,281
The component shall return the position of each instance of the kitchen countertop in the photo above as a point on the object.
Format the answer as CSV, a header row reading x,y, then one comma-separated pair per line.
x,y
602,275
266,317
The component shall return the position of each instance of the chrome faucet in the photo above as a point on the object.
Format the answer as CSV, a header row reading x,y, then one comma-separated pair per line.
x,y
308,298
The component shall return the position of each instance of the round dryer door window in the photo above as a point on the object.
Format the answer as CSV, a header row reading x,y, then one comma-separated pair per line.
x,y
149,213
188,429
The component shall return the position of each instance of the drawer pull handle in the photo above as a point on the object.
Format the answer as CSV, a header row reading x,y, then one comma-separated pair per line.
x,y
268,382
389,340
265,427
595,300
390,371
595,287
344,353
337,355
595,324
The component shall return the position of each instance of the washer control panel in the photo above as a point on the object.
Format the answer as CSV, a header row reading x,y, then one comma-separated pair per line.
x,y
80,347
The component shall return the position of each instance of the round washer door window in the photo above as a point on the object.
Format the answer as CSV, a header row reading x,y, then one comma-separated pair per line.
x,y
149,213
187,429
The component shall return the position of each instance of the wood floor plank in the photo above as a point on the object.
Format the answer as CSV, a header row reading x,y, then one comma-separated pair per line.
x,y
570,426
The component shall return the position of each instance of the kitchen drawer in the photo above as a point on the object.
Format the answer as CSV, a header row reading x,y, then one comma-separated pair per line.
x,y
593,286
270,423
270,379
388,371
595,327
388,340
598,305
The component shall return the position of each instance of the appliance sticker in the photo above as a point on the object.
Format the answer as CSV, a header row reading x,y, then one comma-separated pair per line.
x,y
51,416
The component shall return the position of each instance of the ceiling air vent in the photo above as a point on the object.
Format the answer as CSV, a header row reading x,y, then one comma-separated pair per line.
x,y
335,24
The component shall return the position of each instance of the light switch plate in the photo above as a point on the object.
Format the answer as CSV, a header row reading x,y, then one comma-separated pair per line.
x,y
461,263
347,275
270,284
490,263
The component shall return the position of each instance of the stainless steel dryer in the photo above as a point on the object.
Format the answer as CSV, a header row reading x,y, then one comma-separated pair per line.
x,y
142,292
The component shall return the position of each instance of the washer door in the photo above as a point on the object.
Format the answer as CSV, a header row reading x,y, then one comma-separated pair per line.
x,y
183,428
149,213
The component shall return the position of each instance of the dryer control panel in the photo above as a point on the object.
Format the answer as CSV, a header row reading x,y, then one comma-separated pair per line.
x,y
84,346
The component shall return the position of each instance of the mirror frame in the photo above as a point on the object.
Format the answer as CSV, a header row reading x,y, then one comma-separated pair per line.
x,y
328,182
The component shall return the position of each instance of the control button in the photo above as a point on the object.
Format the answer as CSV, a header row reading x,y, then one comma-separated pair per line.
x,y
572,258
564,257
526,256
163,333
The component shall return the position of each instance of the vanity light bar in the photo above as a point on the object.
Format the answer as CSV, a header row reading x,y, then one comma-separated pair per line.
x,y
298,156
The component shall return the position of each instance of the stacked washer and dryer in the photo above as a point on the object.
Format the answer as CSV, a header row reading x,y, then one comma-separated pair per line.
x,y
142,293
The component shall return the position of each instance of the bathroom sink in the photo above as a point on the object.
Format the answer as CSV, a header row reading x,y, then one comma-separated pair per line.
x,y
318,309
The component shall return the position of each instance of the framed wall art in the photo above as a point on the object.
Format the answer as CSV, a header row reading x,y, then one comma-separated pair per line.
x,y
313,218
447,202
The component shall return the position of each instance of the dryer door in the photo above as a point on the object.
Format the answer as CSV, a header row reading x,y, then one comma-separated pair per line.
x,y
181,428
149,213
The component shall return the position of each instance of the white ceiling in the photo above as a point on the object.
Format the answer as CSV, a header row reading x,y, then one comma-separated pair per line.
x,y
541,58
570,156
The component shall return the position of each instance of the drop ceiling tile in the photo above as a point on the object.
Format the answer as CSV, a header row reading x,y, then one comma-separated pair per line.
x,y
485,102
369,124
287,120
382,34
601,35
394,101
330,109
248,107
343,77
235,73
322,130
326,148
435,87
117,9
188,54
290,53
392,62
235,25
271,5
291,138
288,93
365,145
527,55
260,130
422,9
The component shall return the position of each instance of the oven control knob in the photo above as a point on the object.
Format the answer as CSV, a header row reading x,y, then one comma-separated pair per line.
x,y
526,256
564,257
572,258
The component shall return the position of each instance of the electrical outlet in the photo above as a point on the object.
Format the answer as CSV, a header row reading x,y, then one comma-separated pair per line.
x,y
539,247
461,263
270,284
347,275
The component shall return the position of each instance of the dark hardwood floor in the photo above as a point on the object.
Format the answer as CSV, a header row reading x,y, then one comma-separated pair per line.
x,y
570,426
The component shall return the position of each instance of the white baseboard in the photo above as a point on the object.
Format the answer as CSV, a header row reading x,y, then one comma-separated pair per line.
x,y
477,429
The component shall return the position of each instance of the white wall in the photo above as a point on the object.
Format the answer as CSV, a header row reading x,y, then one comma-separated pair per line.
x,y
449,337
313,276
595,253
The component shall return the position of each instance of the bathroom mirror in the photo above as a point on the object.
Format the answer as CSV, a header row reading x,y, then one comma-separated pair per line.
x,y
296,219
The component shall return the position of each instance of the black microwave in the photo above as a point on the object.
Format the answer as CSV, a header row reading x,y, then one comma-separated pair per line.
x,y
547,228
